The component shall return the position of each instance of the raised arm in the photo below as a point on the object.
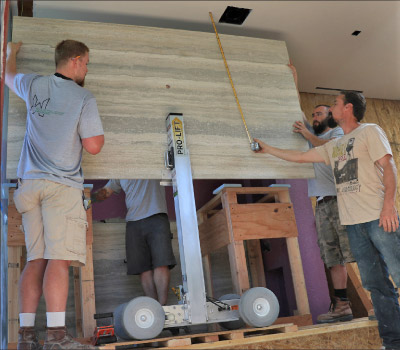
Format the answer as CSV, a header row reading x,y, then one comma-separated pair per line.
x,y
11,64
301,128
389,217
295,77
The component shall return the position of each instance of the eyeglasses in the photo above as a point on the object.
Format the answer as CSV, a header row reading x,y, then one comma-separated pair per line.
x,y
75,58
318,114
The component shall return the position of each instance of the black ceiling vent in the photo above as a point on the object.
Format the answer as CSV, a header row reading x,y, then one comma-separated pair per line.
x,y
234,15
333,89
356,32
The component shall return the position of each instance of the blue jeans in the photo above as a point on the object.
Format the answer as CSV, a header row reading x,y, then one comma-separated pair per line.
x,y
377,254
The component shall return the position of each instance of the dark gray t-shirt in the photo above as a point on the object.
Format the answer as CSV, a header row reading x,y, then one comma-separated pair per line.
x,y
143,198
324,183
59,114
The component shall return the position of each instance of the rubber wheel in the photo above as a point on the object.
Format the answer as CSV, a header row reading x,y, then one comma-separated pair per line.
x,y
232,325
141,318
259,307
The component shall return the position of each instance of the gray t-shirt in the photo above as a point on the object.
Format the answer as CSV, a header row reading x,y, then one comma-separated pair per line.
x,y
323,184
143,198
59,114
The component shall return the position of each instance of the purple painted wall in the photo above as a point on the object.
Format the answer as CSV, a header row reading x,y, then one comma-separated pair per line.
x,y
113,207
276,262
314,272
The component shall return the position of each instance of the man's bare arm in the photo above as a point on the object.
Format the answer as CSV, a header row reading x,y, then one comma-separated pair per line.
x,y
94,144
311,156
389,217
295,77
11,64
300,128
102,194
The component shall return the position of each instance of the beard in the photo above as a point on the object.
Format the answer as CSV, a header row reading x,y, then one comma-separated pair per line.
x,y
320,127
331,122
81,83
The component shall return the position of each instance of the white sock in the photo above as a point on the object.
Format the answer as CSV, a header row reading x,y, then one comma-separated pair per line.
x,y
55,319
27,319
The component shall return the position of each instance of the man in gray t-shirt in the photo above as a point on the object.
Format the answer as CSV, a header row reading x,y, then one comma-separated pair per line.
x,y
62,119
148,237
332,236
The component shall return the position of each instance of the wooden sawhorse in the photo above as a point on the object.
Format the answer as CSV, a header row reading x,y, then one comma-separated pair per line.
x,y
236,223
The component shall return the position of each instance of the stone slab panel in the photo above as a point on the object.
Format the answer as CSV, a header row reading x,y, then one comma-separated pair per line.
x,y
140,74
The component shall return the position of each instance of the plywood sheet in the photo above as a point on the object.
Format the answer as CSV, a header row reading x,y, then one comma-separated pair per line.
x,y
140,74
357,334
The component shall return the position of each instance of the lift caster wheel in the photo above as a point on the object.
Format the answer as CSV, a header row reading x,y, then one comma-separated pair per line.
x,y
259,307
141,318
231,325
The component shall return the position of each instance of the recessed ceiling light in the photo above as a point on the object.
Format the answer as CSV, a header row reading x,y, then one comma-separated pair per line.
x,y
234,15
356,32
333,89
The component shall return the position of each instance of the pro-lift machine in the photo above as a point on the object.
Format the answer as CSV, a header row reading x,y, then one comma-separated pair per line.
x,y
144,317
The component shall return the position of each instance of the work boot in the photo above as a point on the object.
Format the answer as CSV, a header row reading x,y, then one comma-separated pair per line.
x,y
339,311
57,338
27,339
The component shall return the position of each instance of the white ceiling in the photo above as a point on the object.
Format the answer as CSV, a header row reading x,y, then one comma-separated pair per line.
x,y
317,34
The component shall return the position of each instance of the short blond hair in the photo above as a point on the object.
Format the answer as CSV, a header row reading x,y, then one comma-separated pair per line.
x,y
67,49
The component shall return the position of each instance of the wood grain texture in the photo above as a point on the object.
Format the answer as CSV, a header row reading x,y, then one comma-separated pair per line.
x,y
214,233
357,334
355,278
258,221
296,268
256,264
87,294
140,74
14,273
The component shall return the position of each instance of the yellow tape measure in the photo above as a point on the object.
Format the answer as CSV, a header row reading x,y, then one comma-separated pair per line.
x,y
254,145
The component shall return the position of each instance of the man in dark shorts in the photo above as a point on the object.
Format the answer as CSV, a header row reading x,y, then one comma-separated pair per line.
x,y
148,236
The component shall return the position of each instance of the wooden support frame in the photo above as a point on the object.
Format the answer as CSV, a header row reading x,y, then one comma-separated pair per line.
x,y
14,273
84,294
235,224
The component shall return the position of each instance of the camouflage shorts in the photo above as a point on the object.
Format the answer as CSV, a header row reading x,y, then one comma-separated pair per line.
x,y
332,236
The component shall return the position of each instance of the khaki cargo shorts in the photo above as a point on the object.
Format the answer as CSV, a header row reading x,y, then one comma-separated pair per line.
x,y
332,236
53,220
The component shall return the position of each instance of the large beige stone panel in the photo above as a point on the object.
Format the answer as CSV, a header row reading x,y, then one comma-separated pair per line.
x,y
140,74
